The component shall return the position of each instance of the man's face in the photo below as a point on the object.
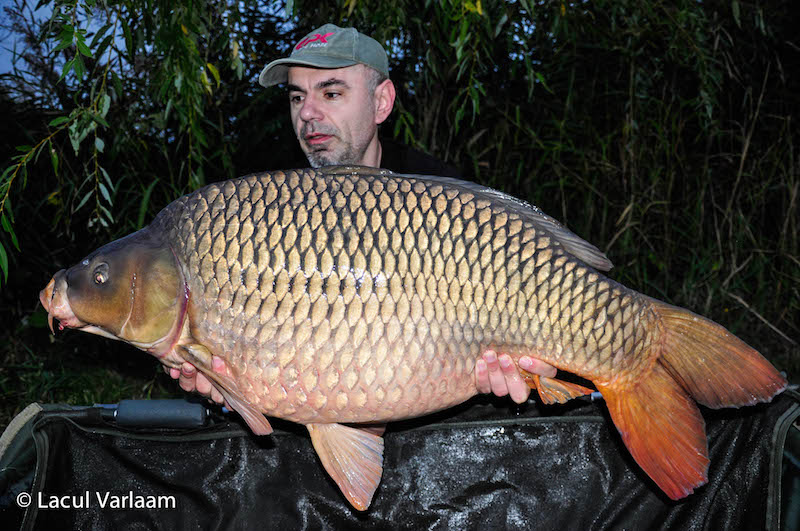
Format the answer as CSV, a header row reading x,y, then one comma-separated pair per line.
x,y
333,114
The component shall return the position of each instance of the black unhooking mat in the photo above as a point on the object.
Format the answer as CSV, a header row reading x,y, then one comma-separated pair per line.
x,y
482,465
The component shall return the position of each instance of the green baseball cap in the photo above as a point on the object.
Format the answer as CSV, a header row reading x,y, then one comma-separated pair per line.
x,y
328,47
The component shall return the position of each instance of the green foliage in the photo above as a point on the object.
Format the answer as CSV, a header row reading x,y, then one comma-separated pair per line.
x,y
152,69
27,376
663,132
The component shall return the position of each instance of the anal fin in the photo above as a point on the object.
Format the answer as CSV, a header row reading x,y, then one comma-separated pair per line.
x,y
553,390
353,457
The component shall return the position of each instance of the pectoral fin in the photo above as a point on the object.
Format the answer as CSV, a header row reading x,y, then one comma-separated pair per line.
x,y
255,420
552,390
353,457
201,357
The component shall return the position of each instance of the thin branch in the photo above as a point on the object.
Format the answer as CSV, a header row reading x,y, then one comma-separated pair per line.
x,y
751,310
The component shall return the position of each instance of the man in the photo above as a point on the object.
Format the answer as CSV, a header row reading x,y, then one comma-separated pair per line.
x,y
339,93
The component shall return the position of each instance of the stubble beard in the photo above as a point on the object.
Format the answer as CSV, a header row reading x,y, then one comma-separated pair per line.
x,y
345,153
323,157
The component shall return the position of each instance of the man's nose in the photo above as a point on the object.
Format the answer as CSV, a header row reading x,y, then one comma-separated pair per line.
x,y
310,110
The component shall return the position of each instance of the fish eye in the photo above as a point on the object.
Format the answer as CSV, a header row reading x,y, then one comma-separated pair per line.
x,y
100,274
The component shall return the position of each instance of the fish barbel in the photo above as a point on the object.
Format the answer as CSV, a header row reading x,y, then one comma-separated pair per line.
x,y
355,295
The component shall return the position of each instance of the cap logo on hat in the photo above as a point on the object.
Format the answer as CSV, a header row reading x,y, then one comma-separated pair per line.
x,y
323,39
328,46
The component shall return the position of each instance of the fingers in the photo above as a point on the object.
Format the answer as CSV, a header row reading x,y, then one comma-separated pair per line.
x,y
537,367
216,396
187,376
517,387
191,380
205,387
482,377
500,376
497,379
488,377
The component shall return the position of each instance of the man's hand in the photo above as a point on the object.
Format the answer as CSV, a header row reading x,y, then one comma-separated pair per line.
x,y
190,379
501,377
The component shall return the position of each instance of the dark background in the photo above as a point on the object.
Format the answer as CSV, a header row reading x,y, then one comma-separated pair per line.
x,y
663,132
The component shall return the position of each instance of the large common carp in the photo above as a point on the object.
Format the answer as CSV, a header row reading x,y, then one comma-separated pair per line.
x,y
354,295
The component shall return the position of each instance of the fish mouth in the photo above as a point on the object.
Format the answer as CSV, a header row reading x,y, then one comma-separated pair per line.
x,y
54,300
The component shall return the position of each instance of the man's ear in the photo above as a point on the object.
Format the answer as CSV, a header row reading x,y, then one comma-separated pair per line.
x,y
384,101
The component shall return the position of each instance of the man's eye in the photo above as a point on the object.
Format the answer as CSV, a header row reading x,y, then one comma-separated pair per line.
x,y
295,99
332,95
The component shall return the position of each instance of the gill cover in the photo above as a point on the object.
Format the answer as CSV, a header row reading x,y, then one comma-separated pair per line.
x,y
131,288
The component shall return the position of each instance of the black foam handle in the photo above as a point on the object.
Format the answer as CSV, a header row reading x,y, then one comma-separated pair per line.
x,y
161,413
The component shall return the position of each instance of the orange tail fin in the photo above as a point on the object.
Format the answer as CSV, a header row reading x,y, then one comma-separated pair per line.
x,y
657,416
663,430
717,368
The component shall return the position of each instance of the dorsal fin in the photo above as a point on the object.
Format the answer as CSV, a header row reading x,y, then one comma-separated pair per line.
x,y
573,243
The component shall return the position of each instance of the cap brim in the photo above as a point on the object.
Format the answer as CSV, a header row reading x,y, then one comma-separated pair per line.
x,y
278,71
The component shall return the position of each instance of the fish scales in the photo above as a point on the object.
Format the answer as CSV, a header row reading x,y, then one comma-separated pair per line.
x,y
354,295
341,305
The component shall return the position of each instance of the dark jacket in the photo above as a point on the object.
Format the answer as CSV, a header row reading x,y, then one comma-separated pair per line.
x,y
404,159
